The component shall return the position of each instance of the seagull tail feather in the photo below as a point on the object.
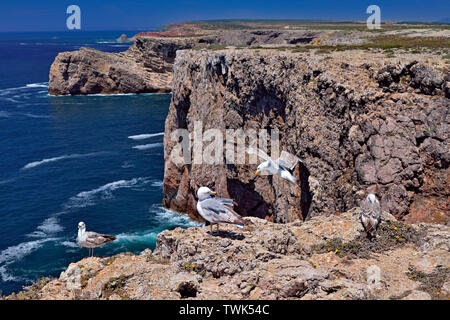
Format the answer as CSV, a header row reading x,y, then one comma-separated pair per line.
x,y
109,238
243,222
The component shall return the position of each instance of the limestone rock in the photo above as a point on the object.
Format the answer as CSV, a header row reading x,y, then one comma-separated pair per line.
x,y
267,261
352,136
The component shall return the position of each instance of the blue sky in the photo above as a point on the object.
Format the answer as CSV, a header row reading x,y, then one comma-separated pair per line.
x,y
50,15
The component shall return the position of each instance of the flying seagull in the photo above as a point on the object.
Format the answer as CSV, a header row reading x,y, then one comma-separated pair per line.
x,y
217,210
91,240
278,166
371,214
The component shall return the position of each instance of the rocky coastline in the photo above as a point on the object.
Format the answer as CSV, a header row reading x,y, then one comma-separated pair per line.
x,y
361,120
327,257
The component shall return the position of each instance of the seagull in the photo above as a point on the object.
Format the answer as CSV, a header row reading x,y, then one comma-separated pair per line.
x,y
371,214
91,240
274,167
216,210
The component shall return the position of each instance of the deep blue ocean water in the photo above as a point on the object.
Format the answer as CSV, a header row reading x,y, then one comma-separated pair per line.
x,y
97,159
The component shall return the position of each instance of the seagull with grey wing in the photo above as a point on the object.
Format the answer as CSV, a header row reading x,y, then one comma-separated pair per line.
x,y
371,214
217,210
91,240
276,167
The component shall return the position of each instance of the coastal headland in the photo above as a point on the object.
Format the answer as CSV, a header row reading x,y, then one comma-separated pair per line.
x,y
365,111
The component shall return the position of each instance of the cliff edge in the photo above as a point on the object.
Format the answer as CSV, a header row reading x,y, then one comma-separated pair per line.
x,y
359,121
327,257
146,67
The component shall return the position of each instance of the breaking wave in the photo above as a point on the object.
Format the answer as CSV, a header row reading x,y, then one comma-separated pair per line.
x,y
169,219
148,146
162,219
15,253
64,157
146,136
87,198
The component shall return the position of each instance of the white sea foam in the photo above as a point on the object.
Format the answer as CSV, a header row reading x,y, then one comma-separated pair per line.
x,y
5,276
127,164
148,146
30,115
157,184
163,219
50,225
87,198
7,181
27,86
64,157
146,136
37,85
137,237
18,252
168,218
70,244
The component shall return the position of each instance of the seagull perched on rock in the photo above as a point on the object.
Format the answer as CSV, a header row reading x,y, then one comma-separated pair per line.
x,y
217,210
272,167
91,240
371,214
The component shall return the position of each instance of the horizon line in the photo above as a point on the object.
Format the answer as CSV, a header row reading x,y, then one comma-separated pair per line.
x,y
359,21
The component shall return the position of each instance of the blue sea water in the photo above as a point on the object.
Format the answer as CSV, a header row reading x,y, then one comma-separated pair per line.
x,y
97,159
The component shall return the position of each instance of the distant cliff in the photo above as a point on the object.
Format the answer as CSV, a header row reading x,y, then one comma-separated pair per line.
x,y
359,121
147,65
328,257
144,68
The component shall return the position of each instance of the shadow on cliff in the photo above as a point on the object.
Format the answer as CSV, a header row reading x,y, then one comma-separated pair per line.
x,y
250,202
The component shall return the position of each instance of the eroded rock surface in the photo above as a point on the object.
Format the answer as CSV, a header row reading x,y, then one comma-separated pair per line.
x,y
380,126
327,257
144,68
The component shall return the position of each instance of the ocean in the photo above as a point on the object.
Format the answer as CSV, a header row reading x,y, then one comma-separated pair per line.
x,y
65,159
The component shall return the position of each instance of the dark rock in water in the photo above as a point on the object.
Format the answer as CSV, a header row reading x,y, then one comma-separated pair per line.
x,y
352,136
123,38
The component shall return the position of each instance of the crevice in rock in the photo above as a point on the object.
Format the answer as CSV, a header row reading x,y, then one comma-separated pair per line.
x,y
250,202
187,290
306,195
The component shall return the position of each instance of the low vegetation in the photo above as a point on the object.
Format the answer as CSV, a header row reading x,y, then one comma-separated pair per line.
x,y
390,235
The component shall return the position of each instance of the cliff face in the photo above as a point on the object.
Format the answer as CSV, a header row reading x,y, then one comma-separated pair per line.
x,y
324,258
359,121
144,68
147,65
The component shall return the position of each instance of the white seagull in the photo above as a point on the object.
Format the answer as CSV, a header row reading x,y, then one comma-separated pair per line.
x,y
271,167
217,210
91,240
371,214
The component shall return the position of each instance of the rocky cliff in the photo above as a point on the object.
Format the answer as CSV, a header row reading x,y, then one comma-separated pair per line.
x,y
147,65
144,68
359,121
327,257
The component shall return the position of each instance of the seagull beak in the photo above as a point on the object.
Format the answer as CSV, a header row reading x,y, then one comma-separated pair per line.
x,y
256,173
213,193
